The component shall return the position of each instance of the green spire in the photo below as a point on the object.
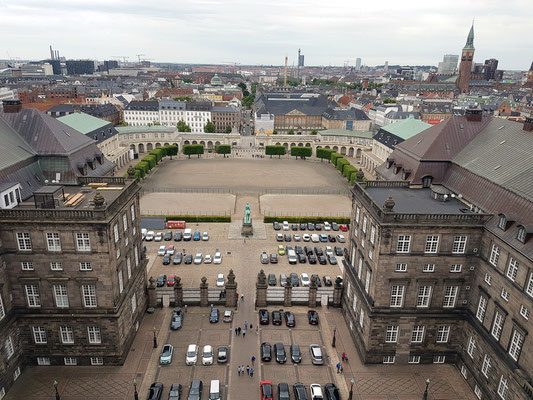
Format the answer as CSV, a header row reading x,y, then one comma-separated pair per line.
x,y
470,40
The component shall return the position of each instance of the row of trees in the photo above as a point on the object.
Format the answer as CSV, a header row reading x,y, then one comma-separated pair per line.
x,y
198,149
143,167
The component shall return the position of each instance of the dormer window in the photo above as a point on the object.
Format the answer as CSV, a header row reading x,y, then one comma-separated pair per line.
x,y
521,236
502,222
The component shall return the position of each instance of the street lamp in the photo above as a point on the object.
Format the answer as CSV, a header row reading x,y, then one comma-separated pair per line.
x,y
155,339
58,397
334,338
351,389
426,391
135,389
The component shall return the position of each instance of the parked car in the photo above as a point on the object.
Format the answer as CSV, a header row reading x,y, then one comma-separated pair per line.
x,y
319,251
175,392
166,259
170,250
178,236
222,354
272,280
310,226
322,260
279,237
323,238
178,257
161,280
281,356
218,258
316,391
343,227
302,259
296,237
296,355
331,238
266,352
228,316
213,316
332,260
295,281
208,259
305,279
311,258
205,236
329,251
265,389
162,250
283,391
285,225
168,235
315,238
273,258
207,355
264,318
334,226
316,354
191,355
198,258
332,392
187,235
327,280
188,259
196,236
294,227
327,226
195,390
149,236
306,237
220,280
312,317
318,227
340,238
264,258
287,237
282,280
166,354
338,251
276,317
276,225
171,280
281,250
158,237
176,322
290,320
299,391
318,281
155,391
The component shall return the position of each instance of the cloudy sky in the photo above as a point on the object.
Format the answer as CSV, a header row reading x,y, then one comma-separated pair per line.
x,y
264,31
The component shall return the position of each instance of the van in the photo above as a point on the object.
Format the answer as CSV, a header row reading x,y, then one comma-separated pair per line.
x,y
214,390
143,233
187,234
291,255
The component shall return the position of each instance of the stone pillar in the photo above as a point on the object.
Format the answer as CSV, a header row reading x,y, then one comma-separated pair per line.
x,y
231,290
261,290
178,293
337,292
152,296
312,292
204,286
287,300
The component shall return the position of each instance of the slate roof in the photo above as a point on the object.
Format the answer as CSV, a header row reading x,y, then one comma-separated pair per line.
x,y
143,105
83,123
343,115
403,115
284,103
13,148
224,110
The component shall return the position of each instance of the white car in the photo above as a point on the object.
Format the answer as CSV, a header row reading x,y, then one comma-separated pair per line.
x,y
341,239
205,236
329,251
192,354
305,279
208,259
198,258
315,238
158,236
316,391
162,250
220,280
285,225
149,236
170,250
207,355
297,238
218,258
279,237
327,226
306,237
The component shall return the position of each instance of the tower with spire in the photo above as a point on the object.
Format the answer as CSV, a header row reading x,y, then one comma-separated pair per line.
x,y
465,67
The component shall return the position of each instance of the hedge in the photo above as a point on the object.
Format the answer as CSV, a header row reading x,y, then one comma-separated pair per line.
x,y
348,170
223,149
300,151
190,149
194,218
275,151
341,163
322,152
333,157
297,220
151,160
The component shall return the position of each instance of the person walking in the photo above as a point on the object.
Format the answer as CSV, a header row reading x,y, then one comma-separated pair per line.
x,y
242,297
239,330
243,333
253,360
252,373
248,369
338,367
239,370
343,357
236,332
256,330
341,369
251,326
245,324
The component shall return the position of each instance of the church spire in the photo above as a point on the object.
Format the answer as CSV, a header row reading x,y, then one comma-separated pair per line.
x,y
470,40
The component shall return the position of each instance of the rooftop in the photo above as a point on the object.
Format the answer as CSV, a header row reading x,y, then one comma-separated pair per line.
x,y
406,128
140,129
344,132
83,123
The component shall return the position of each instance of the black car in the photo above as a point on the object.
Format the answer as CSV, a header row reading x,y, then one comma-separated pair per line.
x,y
287,237
311,258
276,317
302,259
283,391
318,227
322,260
161,280
303,226
294,227
178,257
296,355
213,317
290,320
295,281
178,236
276,225
338,251
332,392
317,280
310,226
222,355
166,259
155,391
334,226
298,250
272,279
327,281
188,259
312,317
319,251
308,250
273,258
195,391
281,356
332,260
264,317
175,392
168,235
266,352
331,238
299,391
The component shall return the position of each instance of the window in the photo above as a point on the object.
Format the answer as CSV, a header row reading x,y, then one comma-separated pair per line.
x,y
459,245
2,310
32,295
126,241
424,295
128,265
503,388
456,268
389,359
357,213
512,269
516,345
432,243
39,335
443,333
401,267
360,268
450,296
481,308
361,318
120,282
24,241
93,332
439,359
524,312
125,222
348,289
61,296
89,295
53,241
133,303
521,235
428,268
404,243
367,280
136,251
471,347
56,266
396,296
414,359
504,294
372,234
86,266
418,334
27,265
115,232
463,371
67,334
83,242
494,255
354,306
2,393
10,350
488,279
43,361
497,325
97,360
477,392
485,367
392,334
70,361
365,221
502,222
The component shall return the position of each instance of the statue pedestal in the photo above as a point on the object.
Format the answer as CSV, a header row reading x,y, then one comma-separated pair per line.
x,y
247,229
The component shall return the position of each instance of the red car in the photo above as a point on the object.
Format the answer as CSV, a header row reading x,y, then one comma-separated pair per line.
x,y
171,280
343,228
265,387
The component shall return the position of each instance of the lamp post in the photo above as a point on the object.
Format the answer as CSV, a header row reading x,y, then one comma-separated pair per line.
x,y
58,397
426,391
334,337
135,394
155,339
351,389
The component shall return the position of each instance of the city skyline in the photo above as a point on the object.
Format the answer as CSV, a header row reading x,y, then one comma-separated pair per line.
x,y
214,32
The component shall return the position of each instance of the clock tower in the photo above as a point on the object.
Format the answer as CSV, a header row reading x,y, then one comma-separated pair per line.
x,y
465,67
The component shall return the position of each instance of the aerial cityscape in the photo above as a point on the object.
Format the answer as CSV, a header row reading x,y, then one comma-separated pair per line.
x,y
241,209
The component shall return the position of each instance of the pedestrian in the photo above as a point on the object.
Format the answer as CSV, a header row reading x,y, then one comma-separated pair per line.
x,y
239,329
251,326
239,370
343,357
248,369
245,324
338,367
242,297
253,360
341,369
256,330
236,331
252,373
243,333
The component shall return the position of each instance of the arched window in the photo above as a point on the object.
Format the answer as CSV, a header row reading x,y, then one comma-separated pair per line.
x,y
502,222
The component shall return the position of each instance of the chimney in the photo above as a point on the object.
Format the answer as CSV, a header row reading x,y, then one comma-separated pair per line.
x,y
528,124
12,106
473,114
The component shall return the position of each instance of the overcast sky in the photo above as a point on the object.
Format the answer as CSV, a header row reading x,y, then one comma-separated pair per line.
x,y
264,31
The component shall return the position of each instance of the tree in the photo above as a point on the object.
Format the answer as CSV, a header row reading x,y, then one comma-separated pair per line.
x,y
314,132
184,98
123,123
183,127
242,85
209,127
229,129
245,93
300,151
389,101
172,150
291,132
275,151
189,149
323,153
187,80
274,132
341,163
333,157
223,149
248,101
348,171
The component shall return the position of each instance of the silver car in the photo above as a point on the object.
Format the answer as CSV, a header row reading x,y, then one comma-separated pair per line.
x,y
166,354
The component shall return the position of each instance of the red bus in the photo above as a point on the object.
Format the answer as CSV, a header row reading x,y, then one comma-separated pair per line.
x,y
176,224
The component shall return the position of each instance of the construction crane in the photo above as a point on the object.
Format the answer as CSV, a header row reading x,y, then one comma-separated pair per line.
x,y
139,56
124,57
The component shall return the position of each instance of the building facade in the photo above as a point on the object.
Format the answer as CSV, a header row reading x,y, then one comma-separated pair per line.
x,y
226,119
465,67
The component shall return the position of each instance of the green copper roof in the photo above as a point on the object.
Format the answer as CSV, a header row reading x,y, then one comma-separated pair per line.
x,y
470,40
406,128
344,132
82,122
